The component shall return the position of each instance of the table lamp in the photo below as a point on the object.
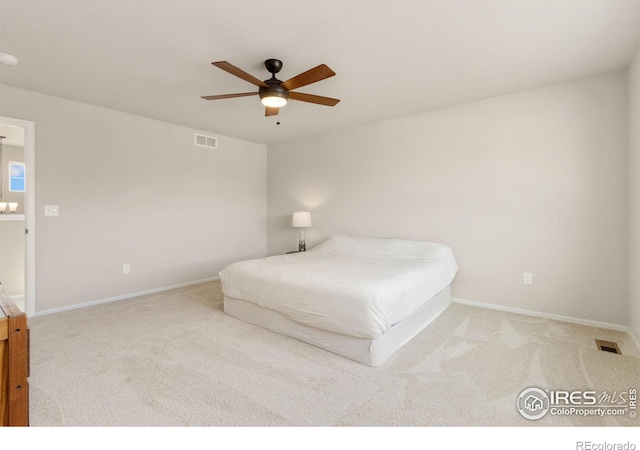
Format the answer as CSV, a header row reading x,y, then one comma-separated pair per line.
x,y
302,220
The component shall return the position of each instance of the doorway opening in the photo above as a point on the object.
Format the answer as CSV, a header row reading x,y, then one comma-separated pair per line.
x,y
17,212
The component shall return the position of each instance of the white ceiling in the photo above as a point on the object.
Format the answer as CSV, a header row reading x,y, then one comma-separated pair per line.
x,y
392,57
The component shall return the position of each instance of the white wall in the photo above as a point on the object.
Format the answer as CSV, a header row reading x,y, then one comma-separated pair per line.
x,y
535,181
634,197
137,191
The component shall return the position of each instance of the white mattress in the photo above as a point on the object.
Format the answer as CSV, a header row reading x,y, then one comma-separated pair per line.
x,y
354,286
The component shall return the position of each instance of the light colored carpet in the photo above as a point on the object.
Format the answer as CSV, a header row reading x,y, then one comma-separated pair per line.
x,y
175,359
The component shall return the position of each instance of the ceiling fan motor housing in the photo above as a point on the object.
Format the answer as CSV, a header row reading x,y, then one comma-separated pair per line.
x,y
273,89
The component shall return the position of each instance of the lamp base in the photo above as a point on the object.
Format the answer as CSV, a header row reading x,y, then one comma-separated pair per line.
x,y
302,247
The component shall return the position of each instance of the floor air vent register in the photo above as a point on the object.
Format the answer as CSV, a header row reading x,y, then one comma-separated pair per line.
x,y
607,346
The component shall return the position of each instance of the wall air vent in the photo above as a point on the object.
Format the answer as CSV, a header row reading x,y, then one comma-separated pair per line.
x,y
607,346
206,141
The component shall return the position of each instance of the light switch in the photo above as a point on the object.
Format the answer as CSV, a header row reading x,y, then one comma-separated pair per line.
x,y
51,210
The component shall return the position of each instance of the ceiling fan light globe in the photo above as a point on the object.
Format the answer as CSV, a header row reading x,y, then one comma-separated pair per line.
x,y
273,101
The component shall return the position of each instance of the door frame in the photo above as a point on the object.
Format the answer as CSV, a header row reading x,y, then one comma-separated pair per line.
x,y
29,209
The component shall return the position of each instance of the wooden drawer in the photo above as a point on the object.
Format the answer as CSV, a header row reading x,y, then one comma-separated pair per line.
x,y
14,364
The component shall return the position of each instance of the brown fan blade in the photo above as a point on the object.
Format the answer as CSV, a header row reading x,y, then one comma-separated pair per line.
x,y
327,101
219,97
271,111
233,70
310,76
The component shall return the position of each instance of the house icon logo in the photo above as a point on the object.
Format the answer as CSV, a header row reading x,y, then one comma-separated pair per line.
x,y
533,403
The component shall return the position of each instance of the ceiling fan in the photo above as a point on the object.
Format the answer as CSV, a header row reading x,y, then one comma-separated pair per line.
x,y
273,92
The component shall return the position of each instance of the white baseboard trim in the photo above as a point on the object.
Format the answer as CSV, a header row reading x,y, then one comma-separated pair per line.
x,y
17,298
527,312
123,297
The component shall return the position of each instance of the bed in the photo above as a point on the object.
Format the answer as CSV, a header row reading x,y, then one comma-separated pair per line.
x,y
360,298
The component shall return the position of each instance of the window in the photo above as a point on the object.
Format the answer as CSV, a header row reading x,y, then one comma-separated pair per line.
x,y
16,177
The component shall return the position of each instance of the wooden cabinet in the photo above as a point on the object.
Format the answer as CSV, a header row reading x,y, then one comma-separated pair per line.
x,y
14,364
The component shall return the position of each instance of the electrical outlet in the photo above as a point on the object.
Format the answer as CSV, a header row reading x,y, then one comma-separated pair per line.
x,y
528,278
126,268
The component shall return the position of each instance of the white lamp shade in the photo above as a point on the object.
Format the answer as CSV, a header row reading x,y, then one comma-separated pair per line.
x,y
3,206
301,219
13,207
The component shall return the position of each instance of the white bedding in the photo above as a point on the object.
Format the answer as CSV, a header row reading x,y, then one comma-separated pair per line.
x,y
355,286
